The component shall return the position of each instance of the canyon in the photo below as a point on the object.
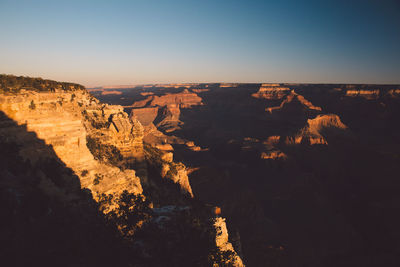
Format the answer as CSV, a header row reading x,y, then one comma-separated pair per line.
x,y
306,174
200,174
88,164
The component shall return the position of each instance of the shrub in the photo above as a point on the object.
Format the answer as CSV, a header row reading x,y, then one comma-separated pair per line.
x,y
152,154
32,105
131,210
103,152
98,178
11,83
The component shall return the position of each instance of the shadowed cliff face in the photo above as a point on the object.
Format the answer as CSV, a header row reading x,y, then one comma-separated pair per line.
x,y
47,219
307,174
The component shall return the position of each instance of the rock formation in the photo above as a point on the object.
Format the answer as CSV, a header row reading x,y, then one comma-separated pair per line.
x,y
228,85
394,92
185,99
222,242
293,101
113,92
146,115
367,94
59,119
175,172
313,133
271,91
199,90
164,111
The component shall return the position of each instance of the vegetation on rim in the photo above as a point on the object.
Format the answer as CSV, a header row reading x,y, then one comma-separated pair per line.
x,y
14,84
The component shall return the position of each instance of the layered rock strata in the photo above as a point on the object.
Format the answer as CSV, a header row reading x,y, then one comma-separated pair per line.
x,y
61,119
293,100
271,91
313,132
367,94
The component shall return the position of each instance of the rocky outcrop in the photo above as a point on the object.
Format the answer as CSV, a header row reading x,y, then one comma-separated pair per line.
x,y
316,129
168,119
146,93
394,92
315,132
271,150
267,149
175,85
223,244
168,169
273,154
177,173
160,115
367,94
146,116
271,91
111,92
228,85
164,111
293,103
65,120
185,99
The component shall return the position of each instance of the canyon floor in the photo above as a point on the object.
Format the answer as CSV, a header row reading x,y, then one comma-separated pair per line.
x,y
306,174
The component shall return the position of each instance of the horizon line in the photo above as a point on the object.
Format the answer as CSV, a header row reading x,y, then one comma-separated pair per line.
x,y
128,86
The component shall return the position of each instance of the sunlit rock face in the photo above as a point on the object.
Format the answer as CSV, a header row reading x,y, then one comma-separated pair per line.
x,y
272,91
273,154
160,116
222,242
313,132
146,116
64,120
294,107
367,94
176,173
394,92
164,111
184,99
127,135
293,102
111,92
162,161
169,118
199,90
228,85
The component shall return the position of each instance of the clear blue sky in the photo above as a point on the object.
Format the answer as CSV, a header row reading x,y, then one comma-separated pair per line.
x,y
145,41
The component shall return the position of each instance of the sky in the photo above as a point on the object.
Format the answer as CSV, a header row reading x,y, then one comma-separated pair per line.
x,y
146,41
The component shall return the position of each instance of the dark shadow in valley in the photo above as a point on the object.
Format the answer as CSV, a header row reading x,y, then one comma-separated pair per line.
x,y
332,205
